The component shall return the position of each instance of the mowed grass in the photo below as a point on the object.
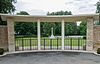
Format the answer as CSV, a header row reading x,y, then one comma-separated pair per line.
x,y
50,42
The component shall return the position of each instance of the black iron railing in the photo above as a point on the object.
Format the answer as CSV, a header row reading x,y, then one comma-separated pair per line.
x,y
26,44
75,44
50,44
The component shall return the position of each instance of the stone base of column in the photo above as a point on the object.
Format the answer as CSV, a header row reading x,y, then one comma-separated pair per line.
x,y
11,48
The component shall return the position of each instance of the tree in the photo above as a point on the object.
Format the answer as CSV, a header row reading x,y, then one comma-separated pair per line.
x,y
46,28
98,11
83,27
70,28
71,25
6,6
60,13
22,13
23,28
98,7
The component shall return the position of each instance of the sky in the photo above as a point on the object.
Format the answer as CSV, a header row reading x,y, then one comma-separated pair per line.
x,y
41,7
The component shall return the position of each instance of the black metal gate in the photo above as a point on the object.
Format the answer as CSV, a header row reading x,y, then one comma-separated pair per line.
x,y
22,44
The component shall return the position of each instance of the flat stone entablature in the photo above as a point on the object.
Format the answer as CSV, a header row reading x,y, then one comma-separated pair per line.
x,y
58,18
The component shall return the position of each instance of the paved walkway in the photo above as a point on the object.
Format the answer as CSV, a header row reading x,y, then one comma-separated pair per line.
x,y
51,58
53,48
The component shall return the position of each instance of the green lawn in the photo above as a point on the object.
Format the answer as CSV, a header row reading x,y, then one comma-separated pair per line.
x,y
48,42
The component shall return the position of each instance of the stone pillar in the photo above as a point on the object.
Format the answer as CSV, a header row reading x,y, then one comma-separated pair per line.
x,y
38,30
96,37
63,34
89,44
4,37
11,44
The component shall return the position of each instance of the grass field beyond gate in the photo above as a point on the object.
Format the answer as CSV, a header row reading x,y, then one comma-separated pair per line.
x,y
50,42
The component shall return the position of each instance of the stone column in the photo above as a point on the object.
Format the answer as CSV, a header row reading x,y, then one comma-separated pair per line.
x,y
4,37
89,44
63,34
38,30
11,44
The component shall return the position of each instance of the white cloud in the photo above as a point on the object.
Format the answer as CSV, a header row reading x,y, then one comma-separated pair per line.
x,y
37,12
41,7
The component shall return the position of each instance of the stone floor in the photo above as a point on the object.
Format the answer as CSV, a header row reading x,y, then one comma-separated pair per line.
x,y
53,48
51,58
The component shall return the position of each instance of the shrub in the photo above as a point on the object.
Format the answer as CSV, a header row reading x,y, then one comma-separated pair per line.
x,y
84,37
98,51
25,36
1,51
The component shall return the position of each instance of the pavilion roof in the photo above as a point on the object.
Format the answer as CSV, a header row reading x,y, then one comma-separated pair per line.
x,y
58,18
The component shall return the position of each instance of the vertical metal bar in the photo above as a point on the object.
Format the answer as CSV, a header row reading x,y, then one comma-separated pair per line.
x,y
37,44
64,44
25,44
15,44
33,44
82,44
25,40
70,43
44,43
22,45
57,43
78,43
51,44
30,44
35,47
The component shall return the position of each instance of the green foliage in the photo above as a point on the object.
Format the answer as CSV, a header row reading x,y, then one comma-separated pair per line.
x,y
70,27
22,13
83,28
60,13
23,28
98,11
46,28
98,50
98,7
6,6
2,22
1,51
26,36
84,37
